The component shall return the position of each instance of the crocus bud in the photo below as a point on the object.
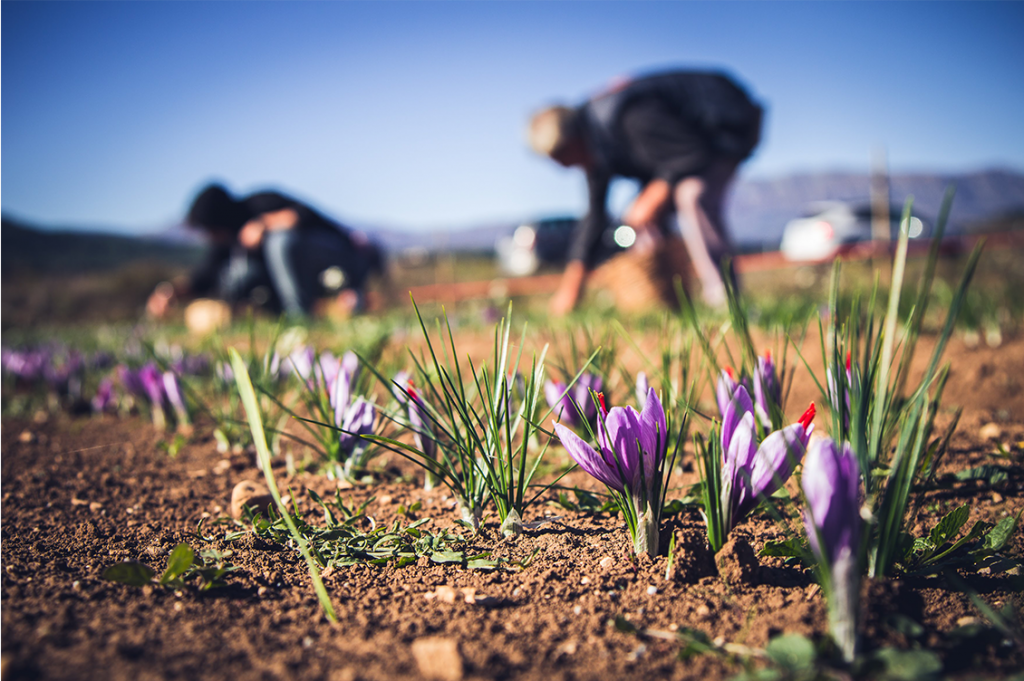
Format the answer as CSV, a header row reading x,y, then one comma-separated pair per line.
x,y
831,484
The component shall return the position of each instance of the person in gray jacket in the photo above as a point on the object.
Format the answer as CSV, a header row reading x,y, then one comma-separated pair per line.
x,y
682,134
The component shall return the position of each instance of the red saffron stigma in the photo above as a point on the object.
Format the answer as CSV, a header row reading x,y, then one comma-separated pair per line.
x,y
411,389
849,359
600,399
768,354
808,416
729,371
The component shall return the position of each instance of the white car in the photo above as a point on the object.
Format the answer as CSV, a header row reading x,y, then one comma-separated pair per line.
x,y
830,228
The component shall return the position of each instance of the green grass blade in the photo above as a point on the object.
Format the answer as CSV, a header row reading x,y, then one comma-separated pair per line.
x,y
252,411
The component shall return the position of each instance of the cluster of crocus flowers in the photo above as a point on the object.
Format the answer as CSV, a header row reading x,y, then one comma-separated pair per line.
x,y
52,364
419,422
831,485
354,417
574,406
159,389
740,468
629,460
764,384
752,470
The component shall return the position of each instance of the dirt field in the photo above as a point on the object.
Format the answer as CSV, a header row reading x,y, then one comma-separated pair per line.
x,y
83,493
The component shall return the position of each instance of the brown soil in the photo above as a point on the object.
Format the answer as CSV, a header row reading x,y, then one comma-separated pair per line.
x,y
80,494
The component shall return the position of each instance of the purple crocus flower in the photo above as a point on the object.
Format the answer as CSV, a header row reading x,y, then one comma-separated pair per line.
x,y
358,420
632,445
152,384
419,422
172,390
751,471
628,460
767,389
642,388
104,398
569,404
225,373
27,365
130,381
831,484
725,387
300,362
340,388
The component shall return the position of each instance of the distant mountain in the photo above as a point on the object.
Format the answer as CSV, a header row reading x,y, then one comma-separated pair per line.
x,y
65,252
757,213
759,209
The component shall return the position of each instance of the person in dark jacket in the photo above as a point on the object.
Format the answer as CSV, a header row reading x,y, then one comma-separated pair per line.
x,y
682,134
273,251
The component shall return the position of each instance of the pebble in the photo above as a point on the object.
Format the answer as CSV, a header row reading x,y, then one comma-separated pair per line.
x,y
262,591
247,493
585,580
652,590
990,431
606,562
438,658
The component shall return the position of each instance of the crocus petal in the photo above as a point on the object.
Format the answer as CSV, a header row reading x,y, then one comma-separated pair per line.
x,y
642,388
152,383
588,458
831,484
104,396
619,436
653,433
773,463
173,391
724,389
738,459
738,406
563,409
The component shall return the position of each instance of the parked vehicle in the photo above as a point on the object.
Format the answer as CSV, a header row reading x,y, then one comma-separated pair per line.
x,y
829,228
547,241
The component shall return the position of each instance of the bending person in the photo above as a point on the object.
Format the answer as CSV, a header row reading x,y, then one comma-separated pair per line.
x,y
682,134
272,251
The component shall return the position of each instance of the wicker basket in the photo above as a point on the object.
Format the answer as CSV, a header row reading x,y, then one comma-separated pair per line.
x,y
641,280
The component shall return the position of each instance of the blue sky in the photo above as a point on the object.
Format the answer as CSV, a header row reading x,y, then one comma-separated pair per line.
x,y
411,115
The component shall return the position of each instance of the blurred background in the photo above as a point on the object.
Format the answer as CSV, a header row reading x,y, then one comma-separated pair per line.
x,y
406,120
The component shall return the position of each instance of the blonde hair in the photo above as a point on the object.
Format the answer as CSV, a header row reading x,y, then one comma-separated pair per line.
x,y
552,129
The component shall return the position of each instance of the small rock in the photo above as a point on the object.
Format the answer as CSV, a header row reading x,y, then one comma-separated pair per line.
x,y
75,501
95,506
996,497
262,591
990,431
585,580
967,621
652,590
222,467
385,500
249,494
703,610
473,598
438,658
606,562
26,436
568,648
443,593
